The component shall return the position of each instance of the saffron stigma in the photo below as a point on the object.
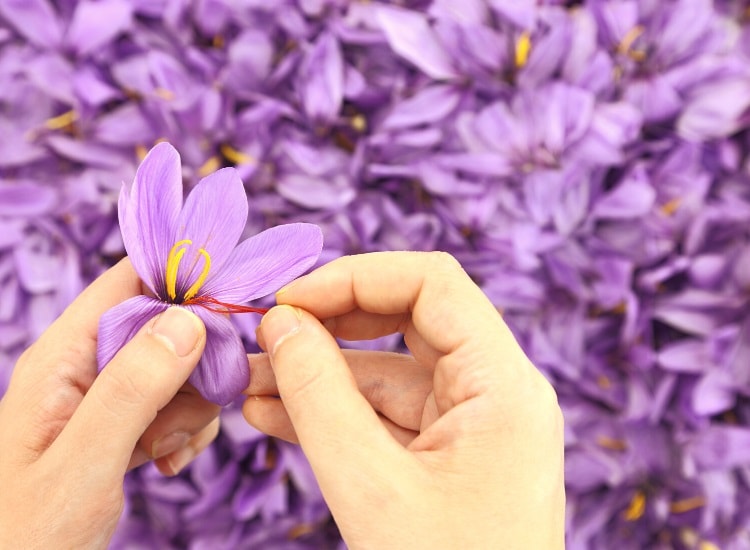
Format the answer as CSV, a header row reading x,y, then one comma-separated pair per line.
x,y
212,304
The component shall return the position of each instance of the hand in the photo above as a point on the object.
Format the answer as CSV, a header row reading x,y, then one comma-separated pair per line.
x,y
459,445
68,436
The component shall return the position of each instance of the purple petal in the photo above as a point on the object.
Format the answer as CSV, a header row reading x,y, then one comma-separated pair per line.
x,y
148,211
95,24
426,106
632,198
311,192
33,19
213,218
265,262
411,37
518,12
118,325
223,371
715,112
322,75
26,199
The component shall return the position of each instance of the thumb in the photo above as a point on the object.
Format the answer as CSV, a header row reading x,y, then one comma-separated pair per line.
x,y
139,381
337,428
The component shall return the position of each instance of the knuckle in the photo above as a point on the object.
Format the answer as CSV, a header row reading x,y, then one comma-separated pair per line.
x,y
444,262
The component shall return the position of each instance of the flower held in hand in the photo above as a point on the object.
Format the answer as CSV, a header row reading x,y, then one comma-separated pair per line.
x,y
188,256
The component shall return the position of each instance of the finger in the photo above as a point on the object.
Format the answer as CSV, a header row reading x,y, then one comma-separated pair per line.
x,y
185,416
268,415
124,400
52,376
431,286
337,428
175,462
471,344
394,384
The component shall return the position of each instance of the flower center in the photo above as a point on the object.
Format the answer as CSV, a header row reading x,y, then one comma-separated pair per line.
x,y
173,263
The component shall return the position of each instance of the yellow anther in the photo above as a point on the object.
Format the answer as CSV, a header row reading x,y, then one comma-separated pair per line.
x,y
359,123
234,155
61,121
523,49
629,39
196,286
636,508
210,166
166,95
670,207
140,152
173,262
612,444
687,504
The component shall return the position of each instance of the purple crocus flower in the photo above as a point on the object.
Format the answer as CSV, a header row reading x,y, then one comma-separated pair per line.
x,y
186,256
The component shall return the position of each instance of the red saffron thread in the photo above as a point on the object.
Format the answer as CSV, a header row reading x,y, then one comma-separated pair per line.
x,y
212,304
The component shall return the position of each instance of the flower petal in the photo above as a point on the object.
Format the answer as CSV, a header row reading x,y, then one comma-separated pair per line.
x,y
410,36
223,371
118,325
264,263
148,212
213,218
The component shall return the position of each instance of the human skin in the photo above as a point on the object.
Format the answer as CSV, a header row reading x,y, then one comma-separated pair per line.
x,y
458,445
68,437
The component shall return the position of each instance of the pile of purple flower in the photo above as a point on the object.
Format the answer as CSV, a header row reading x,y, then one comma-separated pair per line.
x,y
587,162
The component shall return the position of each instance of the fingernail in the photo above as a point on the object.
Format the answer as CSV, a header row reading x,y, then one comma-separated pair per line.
x,y
169,444
180,328
279,324
181,458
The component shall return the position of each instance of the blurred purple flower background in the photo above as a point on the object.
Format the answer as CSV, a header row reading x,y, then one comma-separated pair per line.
x,y
588,163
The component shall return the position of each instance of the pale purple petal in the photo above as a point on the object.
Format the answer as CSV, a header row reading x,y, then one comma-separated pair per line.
x,y
148,212
25,199
223,372
716,111
33,19
95,24
519,12
322,79
311,192
118,325
213,218
410,36
265,262
426,106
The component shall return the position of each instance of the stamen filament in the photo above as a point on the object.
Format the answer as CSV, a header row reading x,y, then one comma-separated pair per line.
x,y
173,262
196,286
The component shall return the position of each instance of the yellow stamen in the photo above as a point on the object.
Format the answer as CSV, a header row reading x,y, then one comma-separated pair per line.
x,y
619,445
166,95
209,167
196,286
636,508
629,39
603,382
173,262
670,207
140,152
218,41
359,123
687,504
235,156
523,49
61,121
